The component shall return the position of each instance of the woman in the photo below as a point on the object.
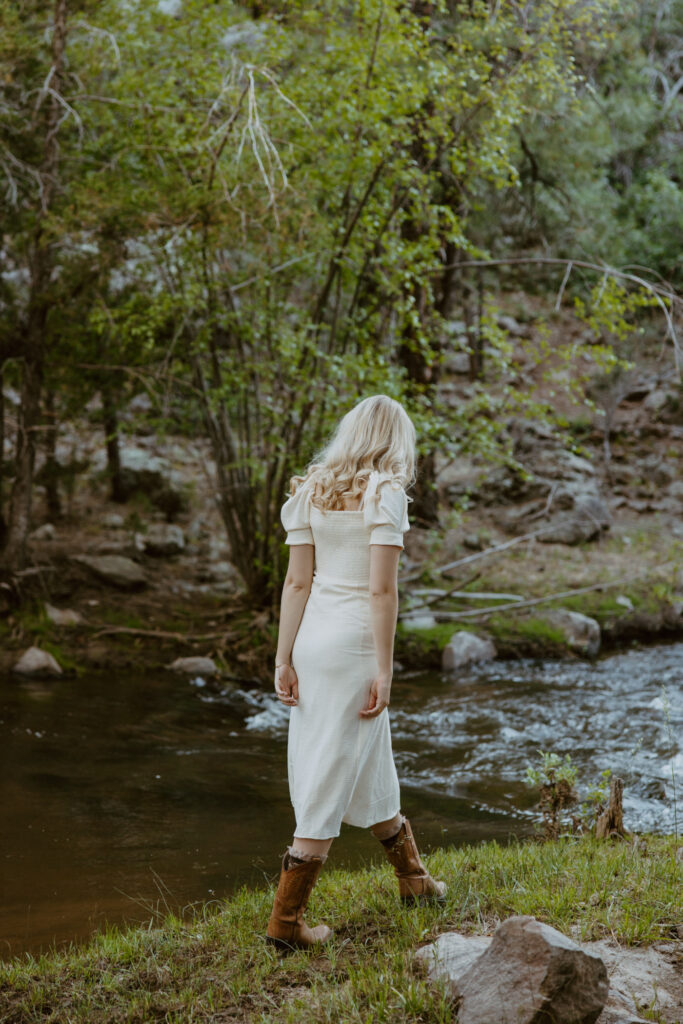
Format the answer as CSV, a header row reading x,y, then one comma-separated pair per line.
x,y
334,659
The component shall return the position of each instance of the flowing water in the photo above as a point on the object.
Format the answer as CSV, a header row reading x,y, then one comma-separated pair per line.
x,y
126,797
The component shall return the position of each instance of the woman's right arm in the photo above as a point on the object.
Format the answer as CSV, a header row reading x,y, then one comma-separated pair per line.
x,y
295,592
384,611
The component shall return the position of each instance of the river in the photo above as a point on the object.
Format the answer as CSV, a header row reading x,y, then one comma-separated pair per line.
x,y
127,796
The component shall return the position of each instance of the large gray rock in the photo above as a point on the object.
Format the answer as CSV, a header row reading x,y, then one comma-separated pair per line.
x,y
36,662
115,569
194,666
164,539
657,401
581,633
113,521
457,362
465,649
660,472
529,974
676,491
637,977
506,485
44,532
582,514
142,471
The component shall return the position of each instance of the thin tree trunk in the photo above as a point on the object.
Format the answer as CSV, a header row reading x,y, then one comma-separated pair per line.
x,y
54,505
111,436
3,524
13,556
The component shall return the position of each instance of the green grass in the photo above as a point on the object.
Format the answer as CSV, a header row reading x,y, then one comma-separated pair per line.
x,y
527,631
217,967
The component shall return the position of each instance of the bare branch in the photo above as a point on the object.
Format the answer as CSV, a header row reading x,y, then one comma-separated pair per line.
x,y
97,31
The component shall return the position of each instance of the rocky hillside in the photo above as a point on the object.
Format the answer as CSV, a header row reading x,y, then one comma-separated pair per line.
x,y
152,578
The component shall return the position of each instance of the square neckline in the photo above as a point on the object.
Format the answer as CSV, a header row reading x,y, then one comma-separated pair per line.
x,y
338,511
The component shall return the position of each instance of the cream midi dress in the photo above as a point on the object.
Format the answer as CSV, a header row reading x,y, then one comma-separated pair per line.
x,y
340,766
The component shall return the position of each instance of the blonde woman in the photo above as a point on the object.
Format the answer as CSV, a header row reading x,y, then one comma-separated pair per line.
x,y
345,522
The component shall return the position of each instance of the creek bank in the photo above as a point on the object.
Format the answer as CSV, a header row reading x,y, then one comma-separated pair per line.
x,y
215,965
89,626
555,632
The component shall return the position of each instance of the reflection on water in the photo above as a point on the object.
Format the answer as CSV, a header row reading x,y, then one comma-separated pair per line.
x,y
126,796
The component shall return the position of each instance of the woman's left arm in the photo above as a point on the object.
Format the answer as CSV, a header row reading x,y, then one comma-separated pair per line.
x,y
295,591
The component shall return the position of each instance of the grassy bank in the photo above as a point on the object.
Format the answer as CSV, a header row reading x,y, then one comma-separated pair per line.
x,y
216,967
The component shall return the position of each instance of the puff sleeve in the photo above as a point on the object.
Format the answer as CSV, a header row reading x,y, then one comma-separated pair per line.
x,y
385,510
295,516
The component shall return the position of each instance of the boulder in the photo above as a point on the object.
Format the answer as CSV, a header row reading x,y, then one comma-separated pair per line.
x,y
144,472
113,521
44,532
581,633
63,616
572,530
530,973
676,491
513,327
657,401
457,362
36,662
194,666
559,464
587,515
164,539
661,473
465,649
506,485
115,569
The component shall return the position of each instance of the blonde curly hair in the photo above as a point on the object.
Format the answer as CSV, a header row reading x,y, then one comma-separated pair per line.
x,y
377,434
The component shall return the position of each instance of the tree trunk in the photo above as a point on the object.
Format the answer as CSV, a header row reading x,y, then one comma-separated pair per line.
x,y
51,470
111,436
13,555
3,524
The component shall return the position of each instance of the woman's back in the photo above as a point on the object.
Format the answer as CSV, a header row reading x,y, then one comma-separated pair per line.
x,y
342,539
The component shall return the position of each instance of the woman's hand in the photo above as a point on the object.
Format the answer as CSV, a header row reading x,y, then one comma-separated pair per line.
x,y
378,699
287,685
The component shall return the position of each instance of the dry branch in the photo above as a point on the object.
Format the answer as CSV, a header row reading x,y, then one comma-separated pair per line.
x,y
164,634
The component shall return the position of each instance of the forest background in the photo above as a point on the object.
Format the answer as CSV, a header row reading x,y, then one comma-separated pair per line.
x,y
261,212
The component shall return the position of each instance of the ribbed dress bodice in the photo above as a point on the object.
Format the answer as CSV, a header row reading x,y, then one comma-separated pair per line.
x,y
342,552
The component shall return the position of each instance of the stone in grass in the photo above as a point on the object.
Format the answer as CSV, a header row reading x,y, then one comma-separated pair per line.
x,y
194,666
118,570
529,974
36,662
581,633
465,648
63,616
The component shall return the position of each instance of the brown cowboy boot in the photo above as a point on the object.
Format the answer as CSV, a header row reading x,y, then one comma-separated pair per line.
x,y
286,927
415,884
